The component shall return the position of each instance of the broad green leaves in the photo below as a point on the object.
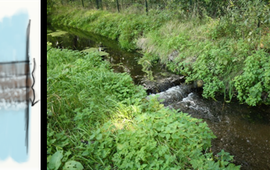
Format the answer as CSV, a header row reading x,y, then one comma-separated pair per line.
x,y
73,165
55,160
156,139
255,79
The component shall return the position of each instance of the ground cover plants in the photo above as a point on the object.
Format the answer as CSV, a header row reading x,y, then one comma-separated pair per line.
x,y
98,119
211,43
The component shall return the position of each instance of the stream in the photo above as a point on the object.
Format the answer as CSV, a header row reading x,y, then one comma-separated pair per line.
x,y
241,130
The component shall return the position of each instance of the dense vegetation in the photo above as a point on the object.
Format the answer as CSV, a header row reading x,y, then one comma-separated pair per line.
x,y
227,47
98,119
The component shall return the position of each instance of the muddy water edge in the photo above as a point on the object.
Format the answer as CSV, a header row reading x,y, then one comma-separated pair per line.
x,y
241,130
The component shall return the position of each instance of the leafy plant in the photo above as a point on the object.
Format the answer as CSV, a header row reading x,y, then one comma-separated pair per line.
x,y
158,138
98,119
55,160
254,80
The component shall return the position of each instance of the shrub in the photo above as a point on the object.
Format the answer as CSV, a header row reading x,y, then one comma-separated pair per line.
x,y
255,79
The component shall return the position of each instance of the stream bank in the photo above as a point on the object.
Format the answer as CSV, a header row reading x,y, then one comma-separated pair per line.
x,y
241,130
121,60
198,49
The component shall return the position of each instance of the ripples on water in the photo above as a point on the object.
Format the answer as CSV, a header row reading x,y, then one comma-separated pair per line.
x,y
241,130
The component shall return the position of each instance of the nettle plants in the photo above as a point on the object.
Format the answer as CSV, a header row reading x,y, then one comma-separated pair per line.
x,y
253,85
157,138
211,66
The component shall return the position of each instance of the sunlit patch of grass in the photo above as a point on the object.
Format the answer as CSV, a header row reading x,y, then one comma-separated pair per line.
x,y
57,33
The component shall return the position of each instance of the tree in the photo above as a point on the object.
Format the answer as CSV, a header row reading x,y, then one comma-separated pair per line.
x,y
146,7
117,3
82,3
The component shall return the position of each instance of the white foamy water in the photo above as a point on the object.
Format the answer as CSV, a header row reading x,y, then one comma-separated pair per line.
x,y
13,105
173,94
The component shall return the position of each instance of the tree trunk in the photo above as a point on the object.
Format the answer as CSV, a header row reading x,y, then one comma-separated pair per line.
x,y
97,4
146,7
82,4
100,4
117,3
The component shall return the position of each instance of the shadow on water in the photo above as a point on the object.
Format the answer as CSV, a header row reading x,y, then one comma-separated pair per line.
x,y
241,130
121,60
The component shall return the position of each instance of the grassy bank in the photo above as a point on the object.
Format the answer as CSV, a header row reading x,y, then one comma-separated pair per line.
x,y
229,54
98,119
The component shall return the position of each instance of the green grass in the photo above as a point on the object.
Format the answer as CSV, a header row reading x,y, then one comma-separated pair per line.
x,y
208,49
218,62
98,119
57,33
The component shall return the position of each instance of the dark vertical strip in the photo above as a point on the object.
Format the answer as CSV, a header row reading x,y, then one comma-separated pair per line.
x,y
117,3
43,86
27,88
97,4
82,4
146,7
100,4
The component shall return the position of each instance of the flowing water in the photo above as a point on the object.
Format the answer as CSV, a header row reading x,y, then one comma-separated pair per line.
x,y
241,130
